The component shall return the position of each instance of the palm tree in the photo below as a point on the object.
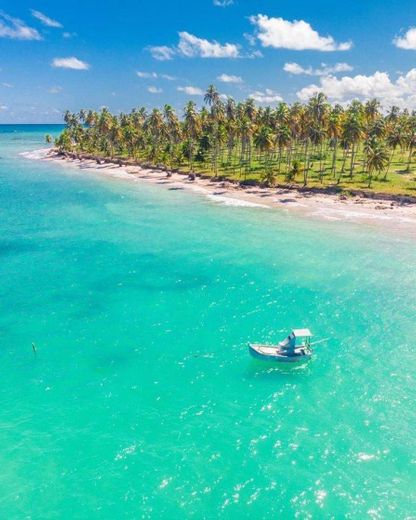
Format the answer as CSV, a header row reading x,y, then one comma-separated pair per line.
x,y
283,140
372,110
211,96
353,132
411,139
263,141
212,99
282,114
318,107
192,127
245,130
173,131
334,129
305,135
393,115
377,159
394,139
156,129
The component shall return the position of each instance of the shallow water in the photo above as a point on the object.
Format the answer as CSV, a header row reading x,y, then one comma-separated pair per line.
x,y
141,400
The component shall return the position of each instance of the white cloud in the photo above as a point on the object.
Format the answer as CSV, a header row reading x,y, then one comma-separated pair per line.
x,y
325,70
54,90
16,29
297,35
226,78
191,46
268,96
223,3
155,90
7,85
167,77
3,107
191,91
401,92
255,54
250,38
162,52
49,22
408,41
146,75
154,75
70,63
295,68
68,34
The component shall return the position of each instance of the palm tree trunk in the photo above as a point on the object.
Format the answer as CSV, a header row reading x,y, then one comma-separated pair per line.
x,y
388,166
352,161
334,159
409,161
191,146
289,159
321,162
306,168
344,160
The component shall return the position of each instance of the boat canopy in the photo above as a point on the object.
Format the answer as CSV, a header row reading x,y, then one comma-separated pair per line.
x,y
302,333
289,342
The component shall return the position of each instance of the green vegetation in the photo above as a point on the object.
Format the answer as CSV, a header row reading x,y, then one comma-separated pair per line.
x,y
314,144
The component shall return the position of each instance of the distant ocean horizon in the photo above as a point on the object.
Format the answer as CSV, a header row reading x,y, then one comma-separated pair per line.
x,y
127,390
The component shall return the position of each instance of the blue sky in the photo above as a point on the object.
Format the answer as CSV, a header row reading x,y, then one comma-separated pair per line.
x,y
56,55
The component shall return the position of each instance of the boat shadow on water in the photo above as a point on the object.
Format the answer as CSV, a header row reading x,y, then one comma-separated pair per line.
x,y
258,369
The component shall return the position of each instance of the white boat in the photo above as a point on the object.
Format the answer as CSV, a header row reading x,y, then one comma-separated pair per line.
x,y
287,351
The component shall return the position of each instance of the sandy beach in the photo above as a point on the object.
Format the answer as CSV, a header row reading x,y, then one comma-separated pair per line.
x,y
313,205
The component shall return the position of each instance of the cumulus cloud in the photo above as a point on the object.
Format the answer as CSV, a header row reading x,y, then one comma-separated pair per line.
x,y
3,107
162,52
227,78
70,63
191,91
49,22
146,75
325,70
223,3
154,75
7,85
401,92
155,90
191,46
297,35
16,29
268,96
408,41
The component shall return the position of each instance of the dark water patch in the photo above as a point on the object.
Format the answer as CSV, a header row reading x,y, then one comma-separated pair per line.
x,y
265,370
16,247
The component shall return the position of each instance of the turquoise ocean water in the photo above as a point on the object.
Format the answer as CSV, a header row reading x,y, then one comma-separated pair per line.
x,y
142,401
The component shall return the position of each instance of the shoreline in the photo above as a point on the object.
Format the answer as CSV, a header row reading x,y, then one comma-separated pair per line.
x,y
397,211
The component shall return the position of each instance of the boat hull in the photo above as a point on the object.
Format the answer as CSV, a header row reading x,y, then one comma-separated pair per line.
x,y
275,355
